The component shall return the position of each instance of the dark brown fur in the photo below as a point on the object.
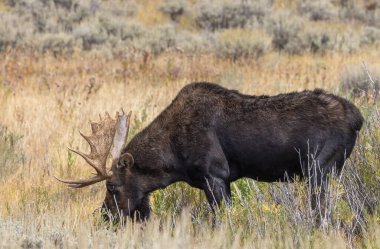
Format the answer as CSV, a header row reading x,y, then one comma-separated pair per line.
x,y
210,136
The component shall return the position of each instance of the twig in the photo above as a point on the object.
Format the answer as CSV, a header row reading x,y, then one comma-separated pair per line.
x,y
373,87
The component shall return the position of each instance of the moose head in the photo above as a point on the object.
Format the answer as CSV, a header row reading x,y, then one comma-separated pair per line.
x,y
123,197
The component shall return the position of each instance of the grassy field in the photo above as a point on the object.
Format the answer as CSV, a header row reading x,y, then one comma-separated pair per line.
x,y
46,100
61,67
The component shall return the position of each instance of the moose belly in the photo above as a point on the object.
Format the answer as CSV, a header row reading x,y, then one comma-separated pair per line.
x,y
265,160
267,166
268,152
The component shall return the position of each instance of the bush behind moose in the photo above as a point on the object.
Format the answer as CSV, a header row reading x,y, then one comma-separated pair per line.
x,y
65,93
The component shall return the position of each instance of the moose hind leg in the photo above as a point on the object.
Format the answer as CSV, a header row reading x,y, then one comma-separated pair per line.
x,y
329,161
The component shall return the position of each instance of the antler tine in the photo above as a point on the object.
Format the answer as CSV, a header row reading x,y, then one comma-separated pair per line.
x,y
129,122
129,116
88,160
121,134
100,142
81,183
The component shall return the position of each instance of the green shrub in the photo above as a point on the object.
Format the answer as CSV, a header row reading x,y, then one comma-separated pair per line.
x,y
166,37
8,38
90,34
107,26
375,19
93,23
293,35
48,16
13,30
158,40
132,30
248,44
174,9
287,32
10,153
319,40
191,43
112,25
59,44
122,29
363,11
67,4
120,8
230,14
347,40
370,36
40,12
67,21
318,10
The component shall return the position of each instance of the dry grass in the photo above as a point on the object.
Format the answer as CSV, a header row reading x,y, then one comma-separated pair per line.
x,y
47,100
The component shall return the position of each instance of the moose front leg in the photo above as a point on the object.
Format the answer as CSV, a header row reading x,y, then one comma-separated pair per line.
x,y
216,191
142,212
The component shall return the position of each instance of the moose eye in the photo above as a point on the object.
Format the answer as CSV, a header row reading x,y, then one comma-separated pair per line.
x,y
111,188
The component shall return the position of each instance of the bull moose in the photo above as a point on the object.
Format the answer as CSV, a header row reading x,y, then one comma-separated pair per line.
x,y
210,136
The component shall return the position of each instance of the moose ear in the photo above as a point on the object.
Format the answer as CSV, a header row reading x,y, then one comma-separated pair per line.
x,y
125,161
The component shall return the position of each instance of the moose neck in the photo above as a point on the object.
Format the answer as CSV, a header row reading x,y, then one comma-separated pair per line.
x,y
153,156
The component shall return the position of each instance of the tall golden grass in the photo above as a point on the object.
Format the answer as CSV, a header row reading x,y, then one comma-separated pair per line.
x,y
47,100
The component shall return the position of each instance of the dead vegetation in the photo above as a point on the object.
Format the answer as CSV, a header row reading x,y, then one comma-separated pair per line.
x,y
65,61
45,100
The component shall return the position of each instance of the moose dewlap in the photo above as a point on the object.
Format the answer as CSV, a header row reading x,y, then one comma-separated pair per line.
x,y
210,136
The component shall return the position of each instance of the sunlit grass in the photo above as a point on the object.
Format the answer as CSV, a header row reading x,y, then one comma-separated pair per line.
x,y
45,101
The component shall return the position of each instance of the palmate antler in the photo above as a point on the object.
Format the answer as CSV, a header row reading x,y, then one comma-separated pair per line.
x,y
106,134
